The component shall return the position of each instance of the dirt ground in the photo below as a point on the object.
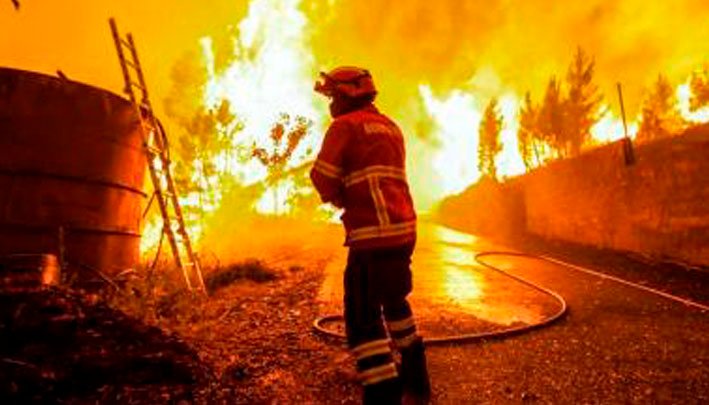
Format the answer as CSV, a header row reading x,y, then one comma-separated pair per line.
x,y
251,341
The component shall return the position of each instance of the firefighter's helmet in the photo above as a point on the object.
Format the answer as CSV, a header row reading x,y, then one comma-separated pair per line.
x,y
350,81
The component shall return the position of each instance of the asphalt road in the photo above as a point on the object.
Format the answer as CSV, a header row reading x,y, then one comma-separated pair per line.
x,y
617,344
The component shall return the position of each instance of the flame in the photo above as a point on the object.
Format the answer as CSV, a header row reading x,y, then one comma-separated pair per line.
x,y
457,119
272,71
422,53
610,128
684,95
150,237
271,74
509,161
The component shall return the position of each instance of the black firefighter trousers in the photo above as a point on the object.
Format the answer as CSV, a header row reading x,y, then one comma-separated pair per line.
x,y
377,282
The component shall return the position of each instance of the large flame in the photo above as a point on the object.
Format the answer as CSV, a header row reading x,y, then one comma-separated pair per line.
x,y
436,64
272,71
611,128
684,95
271,74
277,55
457,120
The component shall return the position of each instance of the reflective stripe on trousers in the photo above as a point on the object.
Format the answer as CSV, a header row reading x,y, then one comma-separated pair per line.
x,y
377,283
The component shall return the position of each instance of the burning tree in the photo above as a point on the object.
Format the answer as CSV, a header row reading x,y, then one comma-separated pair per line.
x,y
563,121
490,144
530,140
582,103
204,136
660,116
207,135
699,85
286,135
551,118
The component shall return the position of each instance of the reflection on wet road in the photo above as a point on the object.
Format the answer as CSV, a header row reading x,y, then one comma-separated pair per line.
x,y
452,294
619,345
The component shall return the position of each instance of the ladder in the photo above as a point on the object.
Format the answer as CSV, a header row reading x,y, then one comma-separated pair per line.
x,y
157,153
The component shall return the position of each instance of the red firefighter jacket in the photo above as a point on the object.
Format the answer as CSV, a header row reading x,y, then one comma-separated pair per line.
x,y
361,168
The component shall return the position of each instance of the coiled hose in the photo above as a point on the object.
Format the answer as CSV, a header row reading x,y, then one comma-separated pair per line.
x,y
470,337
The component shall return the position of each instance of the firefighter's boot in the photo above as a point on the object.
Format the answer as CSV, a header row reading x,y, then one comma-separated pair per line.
x,y
414,372
387,392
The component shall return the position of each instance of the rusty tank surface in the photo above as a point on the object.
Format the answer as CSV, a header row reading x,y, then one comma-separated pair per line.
x,y
72,171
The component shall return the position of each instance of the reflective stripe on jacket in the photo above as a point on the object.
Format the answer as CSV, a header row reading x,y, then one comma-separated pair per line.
x,y
361,168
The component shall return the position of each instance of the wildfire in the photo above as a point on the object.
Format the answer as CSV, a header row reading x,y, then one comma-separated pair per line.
x,y
684,95
271,73
610,128
457,120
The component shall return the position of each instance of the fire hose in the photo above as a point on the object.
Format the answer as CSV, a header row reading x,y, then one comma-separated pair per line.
x,y
318,324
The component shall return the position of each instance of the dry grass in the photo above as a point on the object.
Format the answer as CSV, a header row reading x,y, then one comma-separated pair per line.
x,y
250,269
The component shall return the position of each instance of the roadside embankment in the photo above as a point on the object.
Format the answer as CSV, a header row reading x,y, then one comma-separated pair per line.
x,y
656,207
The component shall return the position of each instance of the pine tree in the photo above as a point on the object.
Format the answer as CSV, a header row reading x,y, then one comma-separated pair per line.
x,y
527,134
489,144
660,117
582,103
551,118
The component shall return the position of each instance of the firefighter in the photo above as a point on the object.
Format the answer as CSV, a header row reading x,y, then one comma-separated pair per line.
x,y
360,168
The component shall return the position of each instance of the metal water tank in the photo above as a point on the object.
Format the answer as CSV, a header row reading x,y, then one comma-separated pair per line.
x,y
72,172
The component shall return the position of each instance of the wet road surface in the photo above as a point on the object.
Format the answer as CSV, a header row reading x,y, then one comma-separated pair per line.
x,y
617,344
452,293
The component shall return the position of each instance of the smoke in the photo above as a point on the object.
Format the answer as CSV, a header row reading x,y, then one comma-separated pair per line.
x,y
447,43
442,43
436,63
